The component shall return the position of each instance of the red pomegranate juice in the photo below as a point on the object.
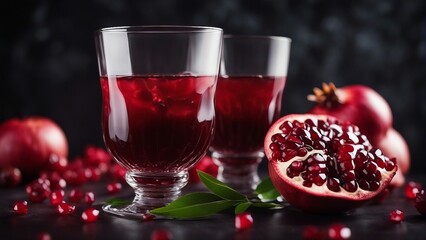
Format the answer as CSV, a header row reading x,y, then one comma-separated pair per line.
x,y
246,106
157,123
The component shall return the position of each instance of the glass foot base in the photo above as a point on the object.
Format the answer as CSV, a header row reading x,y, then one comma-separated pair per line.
x,y
151,191
130,211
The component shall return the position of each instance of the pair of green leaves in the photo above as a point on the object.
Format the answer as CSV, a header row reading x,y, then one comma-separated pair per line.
x,y
221,197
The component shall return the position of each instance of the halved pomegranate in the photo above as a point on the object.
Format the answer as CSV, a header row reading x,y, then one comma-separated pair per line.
x,y
321,165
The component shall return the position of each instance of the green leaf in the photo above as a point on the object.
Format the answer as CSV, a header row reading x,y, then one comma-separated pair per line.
x,y
220,188
266,190
194,205
117,202
240,208
267,205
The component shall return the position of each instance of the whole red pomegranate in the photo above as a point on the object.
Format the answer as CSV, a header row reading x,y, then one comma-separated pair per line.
x,y
358,104
28,143
322,165
394,146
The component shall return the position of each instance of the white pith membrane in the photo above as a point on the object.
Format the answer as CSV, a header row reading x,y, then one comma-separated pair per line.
x,y
281,166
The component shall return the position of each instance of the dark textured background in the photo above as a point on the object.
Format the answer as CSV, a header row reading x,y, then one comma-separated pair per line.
x,y
49,67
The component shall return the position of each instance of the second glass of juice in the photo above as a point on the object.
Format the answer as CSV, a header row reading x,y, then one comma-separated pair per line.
x,y
252,77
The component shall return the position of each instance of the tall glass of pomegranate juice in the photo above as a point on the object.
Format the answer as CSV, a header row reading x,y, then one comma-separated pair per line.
x,y
248,100
158,85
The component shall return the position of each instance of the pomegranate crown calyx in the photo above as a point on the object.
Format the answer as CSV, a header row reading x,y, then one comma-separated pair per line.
x,y
326,96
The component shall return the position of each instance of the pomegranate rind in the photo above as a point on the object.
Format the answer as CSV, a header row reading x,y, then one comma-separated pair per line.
x,y
394,145
316,199
362,106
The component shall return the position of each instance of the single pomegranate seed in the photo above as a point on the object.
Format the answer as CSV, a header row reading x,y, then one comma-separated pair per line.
x,y
160,234
286,127
390,165
412,188
333,184
289,154
89,198
339,231
351,186
296,166
64,208
56,197
374,185
148,217
397,216
57,163
363,184
20,208
10,177
43,236
302,152
243,221
38,190
114,187
421,202
319,179
312,233
75,195
90,215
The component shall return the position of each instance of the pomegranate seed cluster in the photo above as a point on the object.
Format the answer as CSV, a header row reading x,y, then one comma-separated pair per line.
x,y
59,174
331,153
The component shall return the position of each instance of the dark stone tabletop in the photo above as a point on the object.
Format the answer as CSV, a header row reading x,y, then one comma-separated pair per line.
x,y
368,222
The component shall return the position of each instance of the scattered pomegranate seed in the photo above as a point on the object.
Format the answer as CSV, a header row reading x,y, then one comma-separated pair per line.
x,y
421,202
89,198
339,231
114,187
312,233
65,208
148,217
38,190
118,172
57,163
412,188
10,177
44,236
56,197
75,195
20,208
90,215
160,234
397,216
243,221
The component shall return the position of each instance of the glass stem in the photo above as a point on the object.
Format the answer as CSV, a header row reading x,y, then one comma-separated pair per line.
x,y
239,171
153,191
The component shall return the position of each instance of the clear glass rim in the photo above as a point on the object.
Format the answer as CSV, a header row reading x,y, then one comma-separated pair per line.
x,y
265,37
159,29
